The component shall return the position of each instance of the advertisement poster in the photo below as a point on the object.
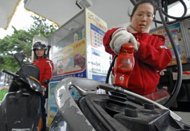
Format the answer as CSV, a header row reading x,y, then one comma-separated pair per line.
x,y
178,39
98,60
52,107
186,31
70,60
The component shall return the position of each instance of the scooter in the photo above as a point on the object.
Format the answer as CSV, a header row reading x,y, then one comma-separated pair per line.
x,y
20,109
81,107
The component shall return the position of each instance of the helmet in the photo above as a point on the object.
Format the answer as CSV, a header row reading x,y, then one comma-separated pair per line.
x,y
39,45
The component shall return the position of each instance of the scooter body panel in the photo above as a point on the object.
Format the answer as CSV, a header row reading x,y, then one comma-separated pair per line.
x,y
20,110
116,110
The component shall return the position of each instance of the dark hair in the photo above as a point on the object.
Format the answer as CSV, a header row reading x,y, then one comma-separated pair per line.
x,y
143,2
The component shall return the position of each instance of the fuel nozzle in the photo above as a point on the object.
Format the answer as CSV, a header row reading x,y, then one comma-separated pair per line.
x,y
124,65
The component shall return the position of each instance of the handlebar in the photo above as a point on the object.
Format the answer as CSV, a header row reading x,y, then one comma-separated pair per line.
x,y
10,73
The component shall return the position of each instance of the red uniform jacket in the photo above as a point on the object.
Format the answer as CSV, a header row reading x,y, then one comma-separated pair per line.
x,y
151,57
46,68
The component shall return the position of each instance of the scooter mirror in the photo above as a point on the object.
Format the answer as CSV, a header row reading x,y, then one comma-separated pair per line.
x,y
19,57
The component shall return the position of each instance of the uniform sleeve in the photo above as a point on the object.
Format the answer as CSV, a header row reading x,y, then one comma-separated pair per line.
x,y
153,53
107,38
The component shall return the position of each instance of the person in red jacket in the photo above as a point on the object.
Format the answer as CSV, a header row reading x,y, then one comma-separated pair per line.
x,y
141,56
44,64
46,69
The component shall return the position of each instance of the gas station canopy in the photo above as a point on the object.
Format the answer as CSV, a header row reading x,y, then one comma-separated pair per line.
x,y
7,9
60,11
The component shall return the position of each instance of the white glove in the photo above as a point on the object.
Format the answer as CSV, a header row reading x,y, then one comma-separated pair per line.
x,y
120,37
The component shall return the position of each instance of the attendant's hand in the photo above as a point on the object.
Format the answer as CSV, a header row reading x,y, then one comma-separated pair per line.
x,y
120,37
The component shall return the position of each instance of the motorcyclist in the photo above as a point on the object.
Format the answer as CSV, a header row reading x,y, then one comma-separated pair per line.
x,y
45,66
150,55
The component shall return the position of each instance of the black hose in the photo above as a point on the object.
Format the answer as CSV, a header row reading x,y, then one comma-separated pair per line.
x,y
110,69
177,85
169,16
173,17
48,49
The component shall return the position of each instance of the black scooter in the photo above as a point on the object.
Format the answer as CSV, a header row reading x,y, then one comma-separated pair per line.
x,y
20,109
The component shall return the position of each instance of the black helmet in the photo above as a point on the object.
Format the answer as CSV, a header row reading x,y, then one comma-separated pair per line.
x,y
39,45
